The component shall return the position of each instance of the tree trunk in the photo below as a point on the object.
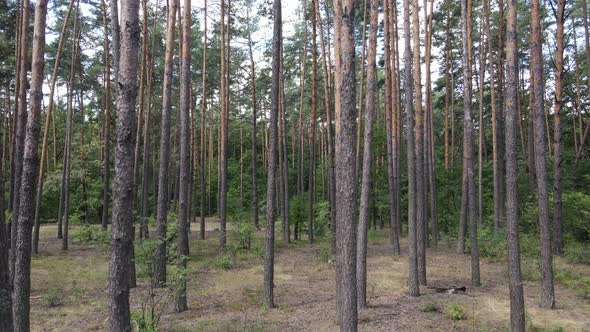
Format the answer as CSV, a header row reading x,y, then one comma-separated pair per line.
x,y
159,278
224,122
538,107
39,195
366,172
107,125
557,143
122,219
5,286
20,118
312,145
419,133
413,285
24,225
203,126
466,10
185,172
272,160
517,313
346,187
254,115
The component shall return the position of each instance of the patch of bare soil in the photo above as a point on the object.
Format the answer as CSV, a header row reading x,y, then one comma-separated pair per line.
x,y
221,300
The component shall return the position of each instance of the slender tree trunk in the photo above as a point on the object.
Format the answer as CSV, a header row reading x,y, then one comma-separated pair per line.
x,y
517,313
116,38
498,118
254,115
185,172
122,237
285,162
203,125
557,141
68,142
466,10
481,126
107,125
547,292
272,160
224,122
413,284
366,175
394,236
39,195
421,230
5,286
330,144
361,87
20,118
30,167
448,87
312,146
159,278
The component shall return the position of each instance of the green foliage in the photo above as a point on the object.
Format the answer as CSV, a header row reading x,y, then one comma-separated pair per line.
x,y
325,253
576,215
457,312
245,234
144,321
92,235
225,262
52,298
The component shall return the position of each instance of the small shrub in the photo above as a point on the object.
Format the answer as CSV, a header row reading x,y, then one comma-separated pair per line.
x,y
457,312
52,298
325,253
429,307
92,235
225,262
245,234
144,321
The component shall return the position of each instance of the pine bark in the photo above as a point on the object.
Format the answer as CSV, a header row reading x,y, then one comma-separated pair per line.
x,y
203,126
159,277
364,214
50,109
558,244
517,313
272,160
312,145
413,284
122,218
346,186
185,172
421,229
468,155
538,108
106,176
24,225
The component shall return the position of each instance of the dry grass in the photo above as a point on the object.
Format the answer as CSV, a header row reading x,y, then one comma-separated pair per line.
x,y
230,300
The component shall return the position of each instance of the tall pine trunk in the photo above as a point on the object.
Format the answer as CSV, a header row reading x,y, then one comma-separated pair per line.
x,y
24,225
540,150
272,160
346,186
517,313
159,277
366,170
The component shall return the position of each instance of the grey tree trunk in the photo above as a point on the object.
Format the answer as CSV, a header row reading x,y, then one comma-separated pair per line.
x,y
24,225
540,149
19,136
557,133
159,278
413,285
203,126
517,313
421,228
346,186
364,216
272,160
468,151
106,176
185,171
122,218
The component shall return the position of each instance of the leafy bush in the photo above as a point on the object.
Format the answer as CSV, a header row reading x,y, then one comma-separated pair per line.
x,y
245,234
225,262
457,312
92,235
52,298
144,321
429,307
576,215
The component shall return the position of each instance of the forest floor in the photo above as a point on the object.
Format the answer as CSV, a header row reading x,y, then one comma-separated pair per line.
x,y
69,291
